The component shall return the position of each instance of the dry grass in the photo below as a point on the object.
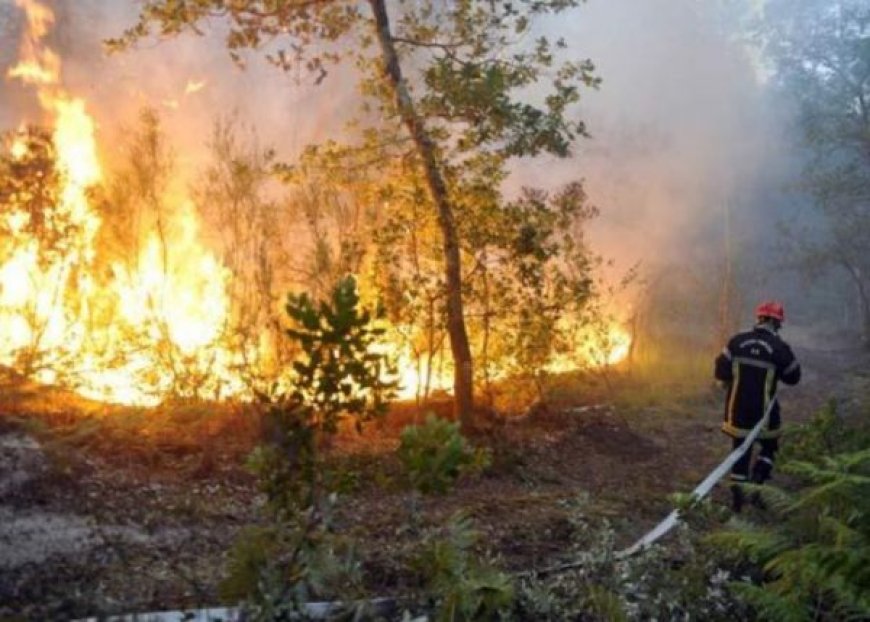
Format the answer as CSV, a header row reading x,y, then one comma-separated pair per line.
x,y
227,432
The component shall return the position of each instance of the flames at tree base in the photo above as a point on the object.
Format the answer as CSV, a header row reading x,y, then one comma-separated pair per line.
x,y
155,318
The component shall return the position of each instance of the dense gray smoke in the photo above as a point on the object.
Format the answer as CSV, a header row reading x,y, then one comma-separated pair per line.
x,y
683,134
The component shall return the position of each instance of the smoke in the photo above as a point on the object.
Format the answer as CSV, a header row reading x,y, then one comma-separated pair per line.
x,y
683,131
189,80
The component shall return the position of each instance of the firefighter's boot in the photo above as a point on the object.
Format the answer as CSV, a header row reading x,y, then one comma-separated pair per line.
x,y
737,498
761,472
757,500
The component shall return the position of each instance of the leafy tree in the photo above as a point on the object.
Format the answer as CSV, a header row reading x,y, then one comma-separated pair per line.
x,y
446,80
339,374
333,212
29,193
820,52
535,280
529,277
44,257
29,213
140,225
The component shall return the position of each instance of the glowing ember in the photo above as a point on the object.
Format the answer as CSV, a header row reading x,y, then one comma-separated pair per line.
x,y
194,86
18,148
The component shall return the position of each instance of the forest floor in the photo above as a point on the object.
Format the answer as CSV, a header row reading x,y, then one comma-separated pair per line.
x,y
107,509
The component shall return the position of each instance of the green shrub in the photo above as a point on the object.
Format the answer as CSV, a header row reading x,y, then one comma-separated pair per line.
x,y
823,435
251,552
600,585
462,588
278,568
436,454
338,374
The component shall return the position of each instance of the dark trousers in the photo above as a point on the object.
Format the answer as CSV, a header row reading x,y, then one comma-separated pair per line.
x,y
763,467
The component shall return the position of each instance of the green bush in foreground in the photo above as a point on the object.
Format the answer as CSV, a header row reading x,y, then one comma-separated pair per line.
x,y
297,556
672,581
462,587
436,454
276,569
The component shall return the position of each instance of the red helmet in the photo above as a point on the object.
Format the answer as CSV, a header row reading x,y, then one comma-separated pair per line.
x,y
771,308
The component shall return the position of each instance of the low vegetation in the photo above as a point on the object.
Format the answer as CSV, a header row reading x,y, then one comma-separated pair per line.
x,y
809,559
804,558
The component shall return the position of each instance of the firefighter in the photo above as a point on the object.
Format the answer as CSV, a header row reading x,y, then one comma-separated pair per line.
x,y
750,367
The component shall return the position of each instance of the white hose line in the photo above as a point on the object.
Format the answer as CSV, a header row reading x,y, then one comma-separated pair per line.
x,y
702,489
312,611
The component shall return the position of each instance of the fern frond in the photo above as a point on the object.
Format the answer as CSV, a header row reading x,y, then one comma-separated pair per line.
x,y
820,495
839,532
758,544
841,574
771,605
797,568
853,461
810,471
778,500
815,555
849,598
606,604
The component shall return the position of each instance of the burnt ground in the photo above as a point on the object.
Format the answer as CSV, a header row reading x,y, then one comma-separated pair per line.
x,y
107,510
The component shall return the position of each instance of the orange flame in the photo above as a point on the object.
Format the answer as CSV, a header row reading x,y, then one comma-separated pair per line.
x,y
158,321
38,65
173,302
594,347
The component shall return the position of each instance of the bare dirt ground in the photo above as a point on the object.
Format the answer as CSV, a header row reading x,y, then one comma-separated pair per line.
x,y
113,510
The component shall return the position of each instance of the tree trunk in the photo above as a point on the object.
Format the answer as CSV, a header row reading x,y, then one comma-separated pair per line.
x,y
864,299
463,390
430,347
861,289
486,328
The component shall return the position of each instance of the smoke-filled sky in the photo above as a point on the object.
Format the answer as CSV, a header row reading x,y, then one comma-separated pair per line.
x,y
157,75
680,127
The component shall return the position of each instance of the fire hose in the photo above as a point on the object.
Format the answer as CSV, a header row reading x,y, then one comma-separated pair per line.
x,y
702,489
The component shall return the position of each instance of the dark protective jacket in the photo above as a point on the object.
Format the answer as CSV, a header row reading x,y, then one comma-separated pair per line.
x,y
751,365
